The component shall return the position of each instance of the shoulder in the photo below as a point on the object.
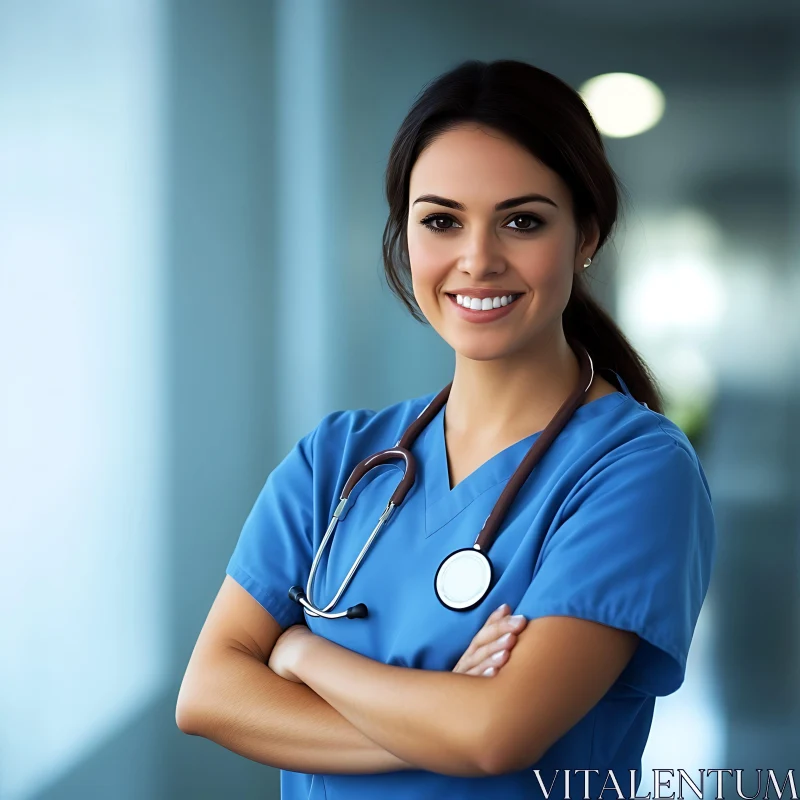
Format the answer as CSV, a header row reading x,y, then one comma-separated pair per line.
x,y
631,442
366,428
639,484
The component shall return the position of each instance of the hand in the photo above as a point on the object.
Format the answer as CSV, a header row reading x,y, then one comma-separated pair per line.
x,y
497,636
286,650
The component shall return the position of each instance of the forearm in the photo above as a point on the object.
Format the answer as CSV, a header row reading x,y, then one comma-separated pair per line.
x,y
425,717
241,704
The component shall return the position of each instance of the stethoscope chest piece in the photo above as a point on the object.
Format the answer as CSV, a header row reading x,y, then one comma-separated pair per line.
x,y
463,579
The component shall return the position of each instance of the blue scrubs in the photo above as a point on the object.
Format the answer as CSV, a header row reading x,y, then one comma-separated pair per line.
x,y
615,525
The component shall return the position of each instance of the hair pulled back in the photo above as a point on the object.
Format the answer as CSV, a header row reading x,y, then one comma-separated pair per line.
x,y
549,118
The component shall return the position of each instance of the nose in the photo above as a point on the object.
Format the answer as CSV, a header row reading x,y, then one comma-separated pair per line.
x,y
482,256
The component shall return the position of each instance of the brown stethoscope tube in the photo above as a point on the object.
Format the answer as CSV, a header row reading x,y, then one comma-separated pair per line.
x,y
464,577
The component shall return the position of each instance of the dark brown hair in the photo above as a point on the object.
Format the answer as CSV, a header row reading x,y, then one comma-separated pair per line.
x,y
548,118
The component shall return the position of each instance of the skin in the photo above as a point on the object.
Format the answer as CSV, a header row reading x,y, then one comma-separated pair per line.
x,y
485,656
492,644
511,375
510,378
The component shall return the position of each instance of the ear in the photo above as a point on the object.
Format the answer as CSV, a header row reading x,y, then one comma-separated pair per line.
x,y
588,237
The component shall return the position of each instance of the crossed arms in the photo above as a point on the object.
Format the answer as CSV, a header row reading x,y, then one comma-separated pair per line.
x,y
351,714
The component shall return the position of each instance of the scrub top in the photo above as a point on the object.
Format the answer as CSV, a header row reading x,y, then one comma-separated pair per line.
x,y
615,525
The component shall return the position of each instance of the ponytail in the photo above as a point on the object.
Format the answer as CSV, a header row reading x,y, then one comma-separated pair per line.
x,y
586,321
548,118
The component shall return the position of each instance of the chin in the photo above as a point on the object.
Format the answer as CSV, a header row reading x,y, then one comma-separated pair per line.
x,y
480,351
483,357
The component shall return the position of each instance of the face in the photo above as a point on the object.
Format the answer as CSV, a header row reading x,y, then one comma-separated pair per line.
x,y
527,251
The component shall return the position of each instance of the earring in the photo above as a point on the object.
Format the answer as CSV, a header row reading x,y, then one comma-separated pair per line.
x,y
587,262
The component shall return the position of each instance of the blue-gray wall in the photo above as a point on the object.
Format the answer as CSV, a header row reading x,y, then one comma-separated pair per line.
x,y
246,143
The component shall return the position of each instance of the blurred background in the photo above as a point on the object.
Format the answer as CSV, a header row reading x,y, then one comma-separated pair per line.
x,y
191,213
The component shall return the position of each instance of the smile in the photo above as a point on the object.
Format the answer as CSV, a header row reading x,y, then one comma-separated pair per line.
x,y
485,303
486,309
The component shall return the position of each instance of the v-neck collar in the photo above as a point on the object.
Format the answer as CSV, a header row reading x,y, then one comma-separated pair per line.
x,y
442,503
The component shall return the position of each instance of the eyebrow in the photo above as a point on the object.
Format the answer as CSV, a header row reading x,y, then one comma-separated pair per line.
x,y
502,206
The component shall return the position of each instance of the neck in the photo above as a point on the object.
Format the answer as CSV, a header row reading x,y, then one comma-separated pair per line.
x,y
510,398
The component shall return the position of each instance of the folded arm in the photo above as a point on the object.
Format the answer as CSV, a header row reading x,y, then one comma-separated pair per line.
x,y
461,724
230,696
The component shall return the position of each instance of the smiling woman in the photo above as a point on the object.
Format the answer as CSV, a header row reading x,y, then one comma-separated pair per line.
x,y
487,250
593,505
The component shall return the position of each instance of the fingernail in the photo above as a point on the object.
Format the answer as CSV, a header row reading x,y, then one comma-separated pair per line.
x,y
516,620
498,657
505,639
489,671
500,608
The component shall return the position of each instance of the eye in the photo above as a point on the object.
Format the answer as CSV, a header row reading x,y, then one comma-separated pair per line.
x,y
534,223
435,218
531,223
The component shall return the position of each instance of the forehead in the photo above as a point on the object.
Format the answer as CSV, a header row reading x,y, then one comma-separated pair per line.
x,y
481,163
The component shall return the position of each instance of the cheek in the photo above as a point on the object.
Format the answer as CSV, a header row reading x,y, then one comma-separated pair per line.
x,y
551,270
550,278
554,289
420,252
426,260
555,278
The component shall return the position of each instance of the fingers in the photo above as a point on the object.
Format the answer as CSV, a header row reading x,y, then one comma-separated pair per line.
x,y
493,630
498,613
492,665
490,647
494,654
488,658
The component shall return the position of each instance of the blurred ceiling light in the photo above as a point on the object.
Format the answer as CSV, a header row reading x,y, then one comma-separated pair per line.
x,y
676,294
672,301
671,283
623,104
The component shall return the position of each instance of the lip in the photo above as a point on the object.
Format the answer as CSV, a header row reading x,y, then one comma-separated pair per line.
x,y
474,292
482,316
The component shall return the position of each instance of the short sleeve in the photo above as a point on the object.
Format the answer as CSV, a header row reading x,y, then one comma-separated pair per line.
x,y
634,549
273,552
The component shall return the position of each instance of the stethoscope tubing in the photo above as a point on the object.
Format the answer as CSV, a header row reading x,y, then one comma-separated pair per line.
x,y
402,450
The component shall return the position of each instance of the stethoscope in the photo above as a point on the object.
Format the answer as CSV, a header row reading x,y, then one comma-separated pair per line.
x,y
464,577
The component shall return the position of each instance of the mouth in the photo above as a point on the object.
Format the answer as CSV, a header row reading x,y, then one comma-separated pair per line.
x,y
484,304
484,309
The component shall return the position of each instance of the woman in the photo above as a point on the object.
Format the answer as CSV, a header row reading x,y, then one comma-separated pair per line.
x,y
500,195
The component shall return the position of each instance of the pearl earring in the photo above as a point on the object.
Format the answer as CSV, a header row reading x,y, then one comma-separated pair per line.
x,y
587,262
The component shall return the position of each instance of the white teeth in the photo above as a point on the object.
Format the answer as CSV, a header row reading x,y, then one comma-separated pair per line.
x,y
484,304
